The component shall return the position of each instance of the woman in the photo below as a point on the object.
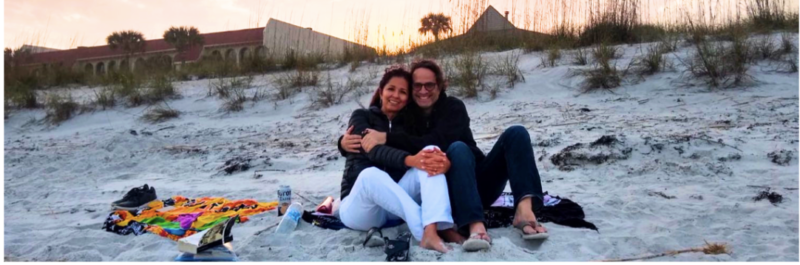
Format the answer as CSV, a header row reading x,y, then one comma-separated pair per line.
x,y
381,183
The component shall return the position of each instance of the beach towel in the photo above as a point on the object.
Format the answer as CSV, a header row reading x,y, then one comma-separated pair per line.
x,y
179,217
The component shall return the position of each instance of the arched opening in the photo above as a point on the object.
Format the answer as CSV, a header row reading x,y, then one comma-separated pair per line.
x,y
230,55
112,66
244,54
216,55
87,68
161,63
100,68
139,65
124,65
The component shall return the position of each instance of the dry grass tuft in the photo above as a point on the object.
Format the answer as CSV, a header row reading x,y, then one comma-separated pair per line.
x,y
59,108
470,72
160,114
291,83
708,249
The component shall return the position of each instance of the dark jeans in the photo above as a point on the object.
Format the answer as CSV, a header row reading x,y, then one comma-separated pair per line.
x,y
473,186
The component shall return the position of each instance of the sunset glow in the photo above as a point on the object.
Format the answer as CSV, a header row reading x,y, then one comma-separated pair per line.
x,y
68,24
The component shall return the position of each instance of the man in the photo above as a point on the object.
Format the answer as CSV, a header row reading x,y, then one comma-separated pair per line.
x,y
474,180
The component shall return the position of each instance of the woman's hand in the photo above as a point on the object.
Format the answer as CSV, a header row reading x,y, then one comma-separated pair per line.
x,y
376,136
434,162
351,142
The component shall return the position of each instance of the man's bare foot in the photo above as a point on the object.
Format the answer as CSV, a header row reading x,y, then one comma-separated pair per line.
x,y
451,236
525,214
431,240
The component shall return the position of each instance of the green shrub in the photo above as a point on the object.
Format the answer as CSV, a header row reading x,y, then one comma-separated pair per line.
x,y
651,62
59,108
105,98
720,64
235,101
552,56
604,53
602,76
290,83
332,93
580,57
19,95
508,68
468,77
160,89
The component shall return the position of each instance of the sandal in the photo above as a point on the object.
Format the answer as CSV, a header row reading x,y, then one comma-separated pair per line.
x,y
397,249
373,240
476,242
533,224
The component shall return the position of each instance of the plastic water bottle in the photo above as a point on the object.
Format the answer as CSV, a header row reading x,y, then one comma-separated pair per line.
x,y
290,219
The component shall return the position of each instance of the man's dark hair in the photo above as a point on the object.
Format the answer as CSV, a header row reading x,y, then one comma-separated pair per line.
x,y
430,65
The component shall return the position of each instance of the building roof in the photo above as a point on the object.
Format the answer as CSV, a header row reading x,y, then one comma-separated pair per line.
x,y
38,49
491,20
71,56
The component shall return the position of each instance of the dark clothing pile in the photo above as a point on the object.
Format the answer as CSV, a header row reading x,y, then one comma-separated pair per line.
x,y
133,227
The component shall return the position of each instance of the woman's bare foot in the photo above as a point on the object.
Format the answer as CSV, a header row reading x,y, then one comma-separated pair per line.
x,y
431,240
525,214
478,238
451,236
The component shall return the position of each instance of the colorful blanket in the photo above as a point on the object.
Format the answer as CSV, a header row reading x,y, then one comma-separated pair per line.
x,y
179,217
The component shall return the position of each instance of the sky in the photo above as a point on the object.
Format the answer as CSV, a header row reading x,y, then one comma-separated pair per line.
x,y
70,23
67,24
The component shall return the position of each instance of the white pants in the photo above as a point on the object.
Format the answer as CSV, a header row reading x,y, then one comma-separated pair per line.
x,y
376,198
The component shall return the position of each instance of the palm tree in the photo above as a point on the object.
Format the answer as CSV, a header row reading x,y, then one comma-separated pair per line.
x,y
129,41
183,38
435,24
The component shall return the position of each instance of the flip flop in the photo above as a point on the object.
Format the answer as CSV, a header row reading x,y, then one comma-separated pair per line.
x,y
372,239
476,243
537,236
397,249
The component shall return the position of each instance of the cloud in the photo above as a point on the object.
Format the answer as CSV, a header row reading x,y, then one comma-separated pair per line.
x,y
231,5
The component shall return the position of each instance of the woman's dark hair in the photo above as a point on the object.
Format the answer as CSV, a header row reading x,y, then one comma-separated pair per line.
x,y
391,72
431,65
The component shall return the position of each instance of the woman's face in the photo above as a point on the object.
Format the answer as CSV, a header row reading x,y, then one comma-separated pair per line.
x,y
394,95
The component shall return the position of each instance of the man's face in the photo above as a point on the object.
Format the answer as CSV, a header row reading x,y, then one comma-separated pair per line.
x,y
426,91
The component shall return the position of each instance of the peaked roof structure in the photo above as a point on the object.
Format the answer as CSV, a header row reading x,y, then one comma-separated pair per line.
x,y
491,20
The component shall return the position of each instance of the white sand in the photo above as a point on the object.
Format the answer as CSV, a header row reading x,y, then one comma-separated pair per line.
x,y
54,176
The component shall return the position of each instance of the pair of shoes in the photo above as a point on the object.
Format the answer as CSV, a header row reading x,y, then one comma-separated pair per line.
x,y
476,242
136,199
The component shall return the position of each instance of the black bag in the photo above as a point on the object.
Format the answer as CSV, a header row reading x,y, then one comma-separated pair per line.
x,y
566,212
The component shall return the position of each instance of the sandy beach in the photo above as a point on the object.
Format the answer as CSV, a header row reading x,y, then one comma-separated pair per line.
x,y
686,165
